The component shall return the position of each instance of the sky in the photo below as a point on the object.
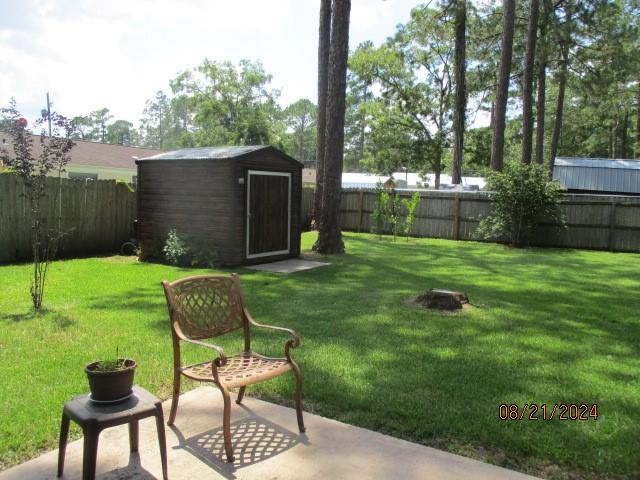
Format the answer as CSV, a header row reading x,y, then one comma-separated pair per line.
x,y
91,54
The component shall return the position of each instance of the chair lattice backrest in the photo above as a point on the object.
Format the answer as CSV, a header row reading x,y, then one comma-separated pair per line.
x,y
206,307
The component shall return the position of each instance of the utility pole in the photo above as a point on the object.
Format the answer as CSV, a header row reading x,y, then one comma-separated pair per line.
x,y
49,113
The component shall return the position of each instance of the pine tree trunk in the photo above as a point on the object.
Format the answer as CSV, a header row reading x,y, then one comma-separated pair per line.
x,y
361,140
527,82
502,92
301,145
329,234
542,81
557,124
540,111
492,118
624,137
614,137
461,93
324,37
610,148
637,149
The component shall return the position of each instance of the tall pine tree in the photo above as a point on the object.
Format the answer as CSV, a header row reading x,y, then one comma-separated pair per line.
x,y
527,82
329,234
502,91
461,93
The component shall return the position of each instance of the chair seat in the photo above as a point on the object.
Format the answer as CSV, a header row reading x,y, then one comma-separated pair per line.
x,y
242,369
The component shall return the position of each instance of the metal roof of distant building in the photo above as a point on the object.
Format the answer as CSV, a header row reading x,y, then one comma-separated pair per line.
x,y
598,163
207,153
598,174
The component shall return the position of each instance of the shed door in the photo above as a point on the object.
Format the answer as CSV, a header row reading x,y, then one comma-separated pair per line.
x,y
268,213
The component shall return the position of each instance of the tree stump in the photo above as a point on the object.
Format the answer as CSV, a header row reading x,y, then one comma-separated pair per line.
x,y
442,299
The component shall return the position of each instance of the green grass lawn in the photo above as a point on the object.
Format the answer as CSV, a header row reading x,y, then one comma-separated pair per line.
x,y
550,326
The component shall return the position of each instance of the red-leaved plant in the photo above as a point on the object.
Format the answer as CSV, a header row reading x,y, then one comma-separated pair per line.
x,y
34,165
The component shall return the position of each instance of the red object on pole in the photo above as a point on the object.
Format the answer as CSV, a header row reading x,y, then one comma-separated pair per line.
x,y
22,122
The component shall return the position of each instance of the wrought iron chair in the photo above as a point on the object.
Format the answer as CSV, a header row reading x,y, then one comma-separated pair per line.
x,y
204,307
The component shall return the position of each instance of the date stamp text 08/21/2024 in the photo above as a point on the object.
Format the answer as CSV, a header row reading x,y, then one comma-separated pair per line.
x,y
543,411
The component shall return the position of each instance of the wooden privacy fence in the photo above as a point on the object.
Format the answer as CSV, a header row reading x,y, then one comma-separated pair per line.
x,y
306,209
96,216
603,222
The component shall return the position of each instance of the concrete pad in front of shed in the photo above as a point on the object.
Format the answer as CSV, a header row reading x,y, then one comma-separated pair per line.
x,y
291,265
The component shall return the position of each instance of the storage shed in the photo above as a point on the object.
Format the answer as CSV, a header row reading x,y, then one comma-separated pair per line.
x,y
242,201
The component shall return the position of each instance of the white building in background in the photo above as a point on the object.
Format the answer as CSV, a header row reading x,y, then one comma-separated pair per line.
x,y
362,180
409,180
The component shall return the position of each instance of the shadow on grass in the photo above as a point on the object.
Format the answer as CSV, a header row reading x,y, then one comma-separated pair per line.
x,y
61,321
140,299
28,315
552,317
556,326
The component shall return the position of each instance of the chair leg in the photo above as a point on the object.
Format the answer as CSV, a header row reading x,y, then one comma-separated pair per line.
x,y
298,375
175,398
240,395
226,424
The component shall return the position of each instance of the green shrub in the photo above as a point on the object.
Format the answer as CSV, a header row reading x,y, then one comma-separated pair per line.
x,y
393,213
185,251
175,249
129,186
379,215
523,197
411,205
202,254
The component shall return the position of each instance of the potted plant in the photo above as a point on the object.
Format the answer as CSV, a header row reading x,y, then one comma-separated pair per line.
x,y
111,380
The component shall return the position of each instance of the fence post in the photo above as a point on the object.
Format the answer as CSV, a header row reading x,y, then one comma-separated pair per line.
x,y
456,225
612,225
360,210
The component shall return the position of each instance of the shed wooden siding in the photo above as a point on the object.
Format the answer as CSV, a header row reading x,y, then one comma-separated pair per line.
x,y
191,196
203,199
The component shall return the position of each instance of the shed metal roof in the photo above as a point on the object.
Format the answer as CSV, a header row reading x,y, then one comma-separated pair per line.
x,y
207,153
598,174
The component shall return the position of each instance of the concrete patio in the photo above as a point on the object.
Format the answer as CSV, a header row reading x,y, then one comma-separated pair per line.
x,y
291,265
267,446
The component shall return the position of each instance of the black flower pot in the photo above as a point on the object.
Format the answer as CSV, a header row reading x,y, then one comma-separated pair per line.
x,y
110,385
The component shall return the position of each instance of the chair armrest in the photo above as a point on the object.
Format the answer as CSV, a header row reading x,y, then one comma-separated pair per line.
x,y
293,343
220,361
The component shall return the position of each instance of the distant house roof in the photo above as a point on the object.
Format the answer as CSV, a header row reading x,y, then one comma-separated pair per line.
x,y
598,174
216,153
97,154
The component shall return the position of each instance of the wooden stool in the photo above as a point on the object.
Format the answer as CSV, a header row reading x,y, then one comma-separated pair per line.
x,y
94,417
